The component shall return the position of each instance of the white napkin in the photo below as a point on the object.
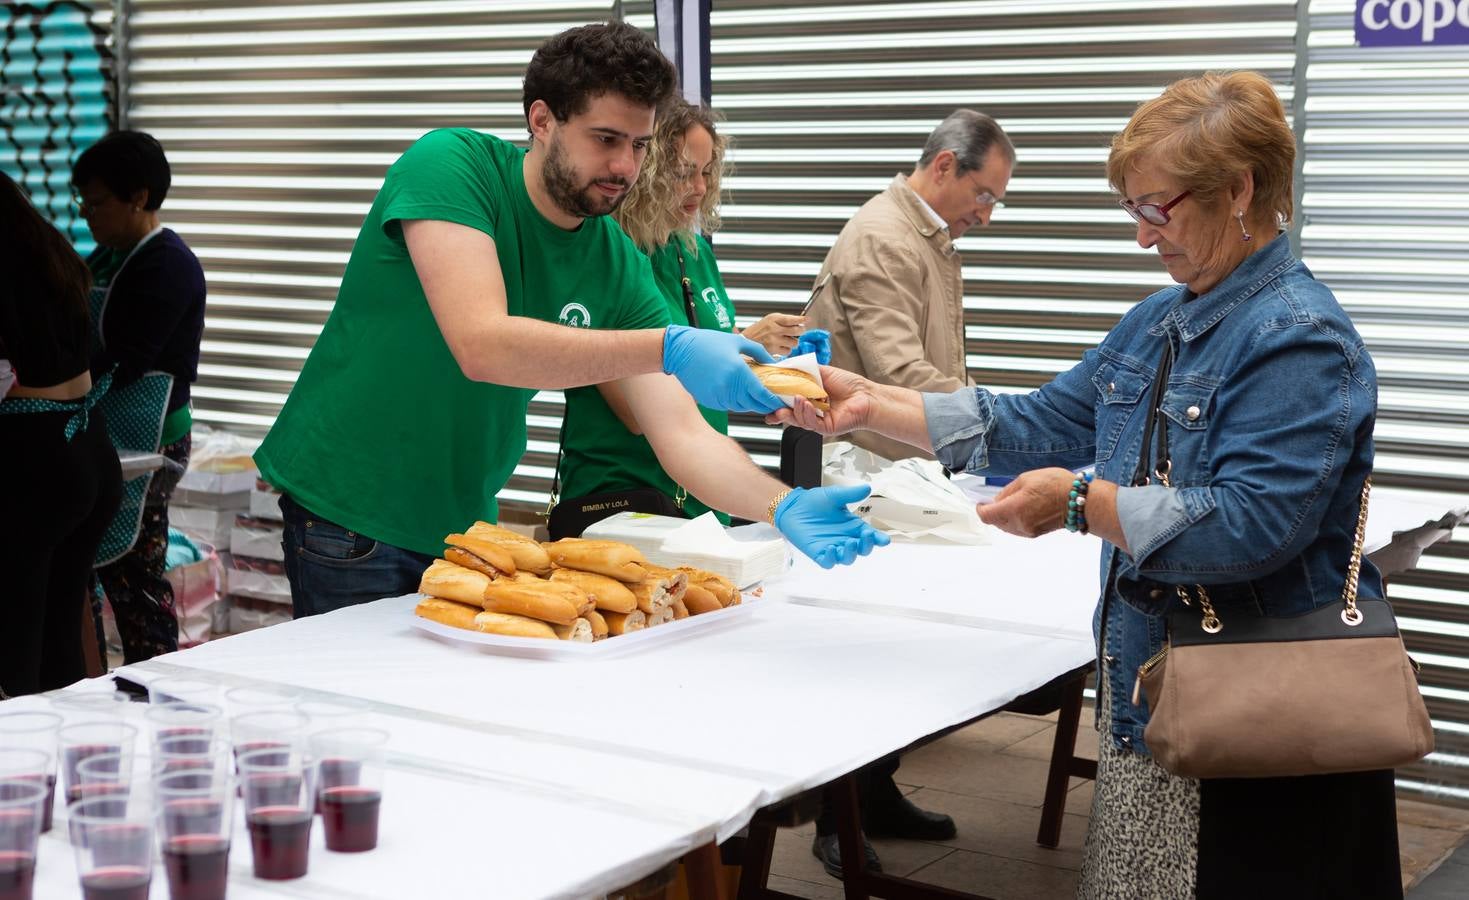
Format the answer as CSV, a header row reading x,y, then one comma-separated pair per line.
x,y
911,499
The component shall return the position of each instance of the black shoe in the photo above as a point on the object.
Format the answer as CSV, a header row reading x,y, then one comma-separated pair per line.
x,y
899,818
828,849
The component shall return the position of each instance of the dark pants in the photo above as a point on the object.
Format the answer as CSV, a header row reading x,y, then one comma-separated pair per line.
x,y
875,787
140,596
331,567
56,500
1318,837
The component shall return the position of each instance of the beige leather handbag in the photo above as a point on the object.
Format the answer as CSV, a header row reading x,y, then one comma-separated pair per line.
x,y
1331,690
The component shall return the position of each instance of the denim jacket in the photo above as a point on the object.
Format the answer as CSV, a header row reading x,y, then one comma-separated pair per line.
x,y
1269,410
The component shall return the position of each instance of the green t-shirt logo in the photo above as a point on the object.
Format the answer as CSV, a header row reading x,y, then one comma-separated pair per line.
x,y
574,315
711,297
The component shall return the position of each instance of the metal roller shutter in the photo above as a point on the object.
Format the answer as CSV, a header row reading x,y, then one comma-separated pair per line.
x,y
279,121
825,103
1386,224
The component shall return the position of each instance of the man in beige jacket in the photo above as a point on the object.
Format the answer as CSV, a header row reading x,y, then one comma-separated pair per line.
x,y
892,296
892,287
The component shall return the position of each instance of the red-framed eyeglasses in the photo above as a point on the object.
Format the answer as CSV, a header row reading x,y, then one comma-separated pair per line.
x,y
1151,213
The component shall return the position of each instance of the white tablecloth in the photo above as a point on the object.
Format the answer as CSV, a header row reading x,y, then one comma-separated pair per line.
x,y
532,778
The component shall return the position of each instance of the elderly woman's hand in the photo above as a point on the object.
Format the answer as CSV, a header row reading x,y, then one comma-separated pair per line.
x,y
851,398
1031,505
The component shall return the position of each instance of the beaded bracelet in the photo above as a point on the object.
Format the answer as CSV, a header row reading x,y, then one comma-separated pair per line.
x,y
1076,502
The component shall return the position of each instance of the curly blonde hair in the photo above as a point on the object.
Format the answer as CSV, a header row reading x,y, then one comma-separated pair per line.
x,y
650,215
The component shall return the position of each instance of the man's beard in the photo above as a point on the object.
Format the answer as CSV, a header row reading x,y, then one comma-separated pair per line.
x,y
584,201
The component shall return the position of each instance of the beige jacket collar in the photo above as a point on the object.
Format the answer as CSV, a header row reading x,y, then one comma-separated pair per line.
x,y
919,214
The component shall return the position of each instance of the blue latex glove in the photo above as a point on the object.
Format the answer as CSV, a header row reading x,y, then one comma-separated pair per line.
x,y
816,340
708,364
818,522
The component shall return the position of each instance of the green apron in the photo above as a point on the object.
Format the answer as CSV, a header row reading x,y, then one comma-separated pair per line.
x,y
135,417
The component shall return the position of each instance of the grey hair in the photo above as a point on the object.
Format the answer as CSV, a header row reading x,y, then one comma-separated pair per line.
x,y
970,135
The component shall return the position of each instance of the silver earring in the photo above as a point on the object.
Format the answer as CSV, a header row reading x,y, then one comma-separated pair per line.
x,y
1245,236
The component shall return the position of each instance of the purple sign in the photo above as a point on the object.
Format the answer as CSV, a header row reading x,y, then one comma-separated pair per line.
x,y
1412,23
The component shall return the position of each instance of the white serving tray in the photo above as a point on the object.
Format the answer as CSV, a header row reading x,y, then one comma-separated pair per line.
x,y
544,648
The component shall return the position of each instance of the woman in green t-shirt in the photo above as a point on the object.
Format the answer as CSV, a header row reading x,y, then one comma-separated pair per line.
x,y
670,208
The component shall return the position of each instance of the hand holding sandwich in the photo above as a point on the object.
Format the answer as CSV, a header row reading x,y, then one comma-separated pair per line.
x,y
857,403
709,366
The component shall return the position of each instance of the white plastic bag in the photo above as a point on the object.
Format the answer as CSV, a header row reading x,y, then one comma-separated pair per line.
x,y
911,499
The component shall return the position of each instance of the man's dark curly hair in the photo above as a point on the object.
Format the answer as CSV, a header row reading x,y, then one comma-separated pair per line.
x,y
579,64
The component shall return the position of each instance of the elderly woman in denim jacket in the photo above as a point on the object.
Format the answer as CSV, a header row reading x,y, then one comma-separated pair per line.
x,y
1268,412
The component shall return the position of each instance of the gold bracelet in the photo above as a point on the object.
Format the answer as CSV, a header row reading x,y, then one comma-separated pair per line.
x,y
779,499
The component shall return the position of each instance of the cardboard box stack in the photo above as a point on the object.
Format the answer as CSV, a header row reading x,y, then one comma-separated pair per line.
x,y
222,503
208,497
260,595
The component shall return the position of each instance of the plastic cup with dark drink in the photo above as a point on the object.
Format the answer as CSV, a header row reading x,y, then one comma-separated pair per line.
x,y
32,766
349,785
21,803
195,827
113,839
105,775
185,719
327,714
83,741
35,730
271,729
275,784
182,753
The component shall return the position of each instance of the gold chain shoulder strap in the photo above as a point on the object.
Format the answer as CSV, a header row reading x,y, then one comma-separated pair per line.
x,y
1350,615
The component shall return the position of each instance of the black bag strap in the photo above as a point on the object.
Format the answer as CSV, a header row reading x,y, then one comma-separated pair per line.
x,y
688,286
1162,464
560,454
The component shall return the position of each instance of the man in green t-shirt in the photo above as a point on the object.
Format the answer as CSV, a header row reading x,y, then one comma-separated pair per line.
x,y
409,415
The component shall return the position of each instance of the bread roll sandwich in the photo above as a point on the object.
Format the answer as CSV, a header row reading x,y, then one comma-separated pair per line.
x,y
580,631
679,611
447,612
528,555
611,558
453,582
606,593
657,592
599,624
700,601
480,555
722,588
661,617
458,615
674,581
791,383
624,623
512,626
548,601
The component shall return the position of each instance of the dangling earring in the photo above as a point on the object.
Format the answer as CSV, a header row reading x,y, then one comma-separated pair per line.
x,y
1245,235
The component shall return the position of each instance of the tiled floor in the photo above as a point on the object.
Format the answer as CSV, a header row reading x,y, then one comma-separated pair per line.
x,y
991,776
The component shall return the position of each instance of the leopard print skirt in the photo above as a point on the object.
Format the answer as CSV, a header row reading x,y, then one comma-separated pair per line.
x,y
1143,839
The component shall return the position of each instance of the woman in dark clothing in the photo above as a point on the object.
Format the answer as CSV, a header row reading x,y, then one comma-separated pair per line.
x,y
148,311
59,475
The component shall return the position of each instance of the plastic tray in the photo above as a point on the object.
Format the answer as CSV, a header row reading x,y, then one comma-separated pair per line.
x,y
638,641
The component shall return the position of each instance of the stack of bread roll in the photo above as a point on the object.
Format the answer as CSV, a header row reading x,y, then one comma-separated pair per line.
x,y
497,581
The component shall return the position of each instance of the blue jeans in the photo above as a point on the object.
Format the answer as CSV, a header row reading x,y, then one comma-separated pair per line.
x,y
330,567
